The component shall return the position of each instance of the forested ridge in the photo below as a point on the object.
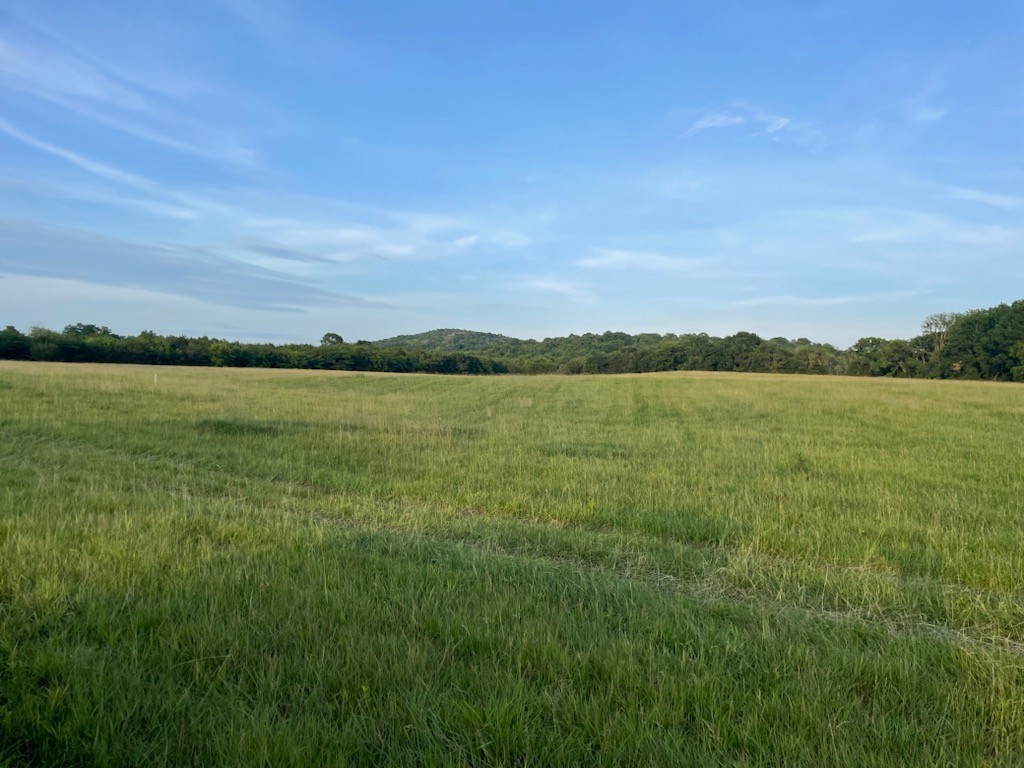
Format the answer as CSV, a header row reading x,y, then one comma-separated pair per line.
x,y
978,344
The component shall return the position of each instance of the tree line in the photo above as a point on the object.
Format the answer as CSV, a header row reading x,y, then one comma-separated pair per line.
x,y
979,344
82,343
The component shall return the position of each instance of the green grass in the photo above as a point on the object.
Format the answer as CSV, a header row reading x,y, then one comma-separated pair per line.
x,y
239,567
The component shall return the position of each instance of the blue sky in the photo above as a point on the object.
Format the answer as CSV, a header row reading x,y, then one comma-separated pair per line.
x,y
272,170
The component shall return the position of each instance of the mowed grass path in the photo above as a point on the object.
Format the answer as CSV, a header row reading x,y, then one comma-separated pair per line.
x,y
252,567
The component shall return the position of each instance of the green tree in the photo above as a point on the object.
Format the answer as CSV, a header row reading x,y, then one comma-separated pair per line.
x,y
984,343
936,329
86,329
14,345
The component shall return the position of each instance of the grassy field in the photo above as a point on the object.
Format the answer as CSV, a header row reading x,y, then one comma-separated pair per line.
x,y
255,567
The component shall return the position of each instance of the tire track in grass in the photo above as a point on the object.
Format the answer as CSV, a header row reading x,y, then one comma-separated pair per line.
x,y
900,624
621,552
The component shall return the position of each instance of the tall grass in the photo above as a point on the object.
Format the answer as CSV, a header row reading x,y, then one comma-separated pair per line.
x,y
237,567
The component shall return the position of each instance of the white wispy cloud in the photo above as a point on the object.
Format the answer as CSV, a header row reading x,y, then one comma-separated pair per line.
x,y
265,18
278,25
509,239
184,205
102,170
502,238
349,242
714,120
778,127
43,250
608,257
277,252
825,301
409,235
897,226
924,106
47,68
53,74
565,288
132,309
93,194
929,114
995,200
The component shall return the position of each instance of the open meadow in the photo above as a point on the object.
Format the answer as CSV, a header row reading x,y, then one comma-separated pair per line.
x,y
262,567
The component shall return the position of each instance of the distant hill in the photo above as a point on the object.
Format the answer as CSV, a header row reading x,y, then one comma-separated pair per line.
x,y
449,340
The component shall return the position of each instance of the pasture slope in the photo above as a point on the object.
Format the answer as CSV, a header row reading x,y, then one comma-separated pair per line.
x,y
259,567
